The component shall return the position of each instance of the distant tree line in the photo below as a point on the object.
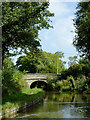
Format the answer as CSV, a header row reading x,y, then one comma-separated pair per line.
x,y
42,62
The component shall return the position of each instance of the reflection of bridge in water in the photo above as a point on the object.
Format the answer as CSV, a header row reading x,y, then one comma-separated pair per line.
x,y
31,78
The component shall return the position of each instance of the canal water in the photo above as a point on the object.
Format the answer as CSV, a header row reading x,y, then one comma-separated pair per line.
x,y
60,105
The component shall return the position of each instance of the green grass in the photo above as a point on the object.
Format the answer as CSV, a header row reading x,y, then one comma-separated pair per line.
x,y
20,98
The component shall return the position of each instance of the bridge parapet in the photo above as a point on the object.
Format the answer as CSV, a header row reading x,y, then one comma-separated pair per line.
x,y
34,76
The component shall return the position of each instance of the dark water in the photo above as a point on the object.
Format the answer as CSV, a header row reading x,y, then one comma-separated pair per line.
x,y
60,105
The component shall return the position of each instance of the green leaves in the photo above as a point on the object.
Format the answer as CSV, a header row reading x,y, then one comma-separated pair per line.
x,y
72,61
60,54
82,24
12,81
40,62
21,24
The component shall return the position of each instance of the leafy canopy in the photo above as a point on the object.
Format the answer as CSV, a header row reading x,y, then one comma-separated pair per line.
x,y
21,22
39,63
82,25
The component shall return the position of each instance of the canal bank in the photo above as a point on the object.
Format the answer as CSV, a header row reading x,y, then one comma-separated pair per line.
x,y
10,109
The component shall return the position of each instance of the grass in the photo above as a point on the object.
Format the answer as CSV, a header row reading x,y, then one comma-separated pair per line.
x,y
20,98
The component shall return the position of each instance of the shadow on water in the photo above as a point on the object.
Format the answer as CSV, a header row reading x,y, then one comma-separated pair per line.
x,y
60,105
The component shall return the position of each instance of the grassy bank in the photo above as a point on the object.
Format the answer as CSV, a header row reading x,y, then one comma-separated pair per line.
x,y
19,99
15,91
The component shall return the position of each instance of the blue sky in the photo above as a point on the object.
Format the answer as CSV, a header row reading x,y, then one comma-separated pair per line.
x,y
60,38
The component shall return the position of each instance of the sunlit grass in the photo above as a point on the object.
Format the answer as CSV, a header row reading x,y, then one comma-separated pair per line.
x,y
19,99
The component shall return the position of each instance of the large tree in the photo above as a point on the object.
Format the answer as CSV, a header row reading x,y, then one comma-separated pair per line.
x,y
41,63
82,25
21,22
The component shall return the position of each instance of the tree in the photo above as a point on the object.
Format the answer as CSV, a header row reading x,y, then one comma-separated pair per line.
x,y
12,81
28,63
59,55
21,22
72,61
82,25
39,63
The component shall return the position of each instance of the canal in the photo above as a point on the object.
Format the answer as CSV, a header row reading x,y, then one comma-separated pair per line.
x,y
60,105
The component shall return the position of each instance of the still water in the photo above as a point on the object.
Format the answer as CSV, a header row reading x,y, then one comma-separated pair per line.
x,y
60,105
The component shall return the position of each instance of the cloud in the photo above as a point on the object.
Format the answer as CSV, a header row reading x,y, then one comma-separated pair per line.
x,y
60,38
58,8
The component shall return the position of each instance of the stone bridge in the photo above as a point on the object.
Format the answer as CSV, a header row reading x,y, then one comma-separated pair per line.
x,y
37,77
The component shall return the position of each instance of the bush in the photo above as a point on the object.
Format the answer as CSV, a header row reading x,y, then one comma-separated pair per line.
x,y
12,81
0,77
59,85
81,83
66,88
83,68
71,80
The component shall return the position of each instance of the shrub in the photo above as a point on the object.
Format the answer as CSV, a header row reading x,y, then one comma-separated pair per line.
x,y
71,80
12,81
0,77
59,85
65,88
81,83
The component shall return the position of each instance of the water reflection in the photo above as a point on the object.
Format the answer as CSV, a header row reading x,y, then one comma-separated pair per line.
x,y
61,105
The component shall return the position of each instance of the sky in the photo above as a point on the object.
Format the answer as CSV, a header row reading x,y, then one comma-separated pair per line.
x,y
60,37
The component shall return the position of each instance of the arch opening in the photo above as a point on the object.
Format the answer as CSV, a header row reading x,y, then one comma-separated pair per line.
x,y
39,84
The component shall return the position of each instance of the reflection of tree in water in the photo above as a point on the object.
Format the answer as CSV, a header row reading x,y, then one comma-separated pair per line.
x,y
72,98
60,97
66,97
82,104
75,105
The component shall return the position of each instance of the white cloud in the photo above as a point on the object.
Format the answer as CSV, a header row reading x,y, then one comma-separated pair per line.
x,y
60,38
58,8
62,32
63,23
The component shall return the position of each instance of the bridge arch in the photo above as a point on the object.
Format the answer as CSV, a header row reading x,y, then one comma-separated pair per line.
x,y
39,84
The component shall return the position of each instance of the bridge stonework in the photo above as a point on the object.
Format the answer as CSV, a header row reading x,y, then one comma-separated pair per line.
x,y
32,77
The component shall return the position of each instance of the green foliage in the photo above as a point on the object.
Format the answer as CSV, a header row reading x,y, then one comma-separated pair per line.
x,y
65,88
27,63
60,85
72,61
0,77
77,70
63,85
81,84
18,99
12,81
51,83
86,68
76,77
71,79
15,90
82,25
21,22
41,62
79,75
60,54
